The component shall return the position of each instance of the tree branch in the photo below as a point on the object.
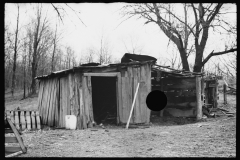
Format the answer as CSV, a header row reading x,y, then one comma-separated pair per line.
x,y
167,32
214,13
217,53
59,15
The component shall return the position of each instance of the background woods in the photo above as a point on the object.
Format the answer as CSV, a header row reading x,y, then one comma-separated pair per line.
x,y
35,39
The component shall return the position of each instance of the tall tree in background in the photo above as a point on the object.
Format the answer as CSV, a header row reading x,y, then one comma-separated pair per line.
x,y
15,54
180,31
135,47
41,42
54,50
104,55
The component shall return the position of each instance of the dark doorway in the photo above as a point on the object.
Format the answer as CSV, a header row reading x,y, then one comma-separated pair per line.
x,y
104,99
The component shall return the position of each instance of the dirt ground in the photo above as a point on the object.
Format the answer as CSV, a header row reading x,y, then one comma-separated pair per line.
x,y
166,137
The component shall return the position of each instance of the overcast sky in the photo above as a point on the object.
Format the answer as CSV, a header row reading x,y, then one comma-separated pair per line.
x,y
103,20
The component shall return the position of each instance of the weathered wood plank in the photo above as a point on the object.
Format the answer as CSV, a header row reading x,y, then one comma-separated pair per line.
x,y
143,94
81,109
66,110
8,114
61,103
176,112
28,120
12,149
148,83
180,93
186,83
51,123
180,99
129,91
109,74
7,154
75,95
84,99
16,120
119,97
51,100
102,70
11,139
183,106
46,105
67,96
90,103
198,95
23,121
86,105
16,133
33,119
137,112
133,84
40,94
124,101
12,116
43,100
80,117
71,94
8,130
38,120
57,104
138,100
54,103
50,103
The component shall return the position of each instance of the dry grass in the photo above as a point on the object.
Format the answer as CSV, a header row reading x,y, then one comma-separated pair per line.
x,y
214,137
12,103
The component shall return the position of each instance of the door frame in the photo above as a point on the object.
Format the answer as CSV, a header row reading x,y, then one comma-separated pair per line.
x,y
118,85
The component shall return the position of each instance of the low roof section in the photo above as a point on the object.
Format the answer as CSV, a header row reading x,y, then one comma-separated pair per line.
x,y
87,68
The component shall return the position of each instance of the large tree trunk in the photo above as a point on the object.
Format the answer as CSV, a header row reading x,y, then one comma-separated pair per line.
x,y
183,55
34,70
200,49
34,61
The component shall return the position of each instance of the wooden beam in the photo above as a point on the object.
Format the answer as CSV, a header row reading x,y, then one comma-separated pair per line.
x,y
11,140
198,95
12,149
132,106
17,136
13,154
110,74
224,94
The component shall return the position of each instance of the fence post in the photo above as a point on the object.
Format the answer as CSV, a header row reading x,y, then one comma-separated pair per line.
x,y
198,95
224,94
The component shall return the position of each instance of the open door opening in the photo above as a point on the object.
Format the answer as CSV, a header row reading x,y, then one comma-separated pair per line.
x,y
104,99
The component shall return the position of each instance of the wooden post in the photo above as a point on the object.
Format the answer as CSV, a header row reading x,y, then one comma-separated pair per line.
x,y
216,93
198,95
161,85
224,94
132,107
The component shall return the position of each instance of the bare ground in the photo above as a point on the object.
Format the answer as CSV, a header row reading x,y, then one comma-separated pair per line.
x,y
211,137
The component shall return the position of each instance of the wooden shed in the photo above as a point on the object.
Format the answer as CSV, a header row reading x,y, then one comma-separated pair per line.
x,y
184,91
92,92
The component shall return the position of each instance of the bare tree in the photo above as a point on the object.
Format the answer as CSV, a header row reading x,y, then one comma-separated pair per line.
x,y
54,49
40,43
179,30
104,55
24,59
15,53
133,46
89,55
8,49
